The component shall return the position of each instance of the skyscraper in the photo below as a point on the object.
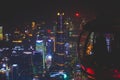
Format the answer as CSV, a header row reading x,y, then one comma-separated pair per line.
x,y
60,42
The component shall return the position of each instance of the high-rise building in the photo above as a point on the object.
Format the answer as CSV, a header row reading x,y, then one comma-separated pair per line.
x,y
59,58
1,32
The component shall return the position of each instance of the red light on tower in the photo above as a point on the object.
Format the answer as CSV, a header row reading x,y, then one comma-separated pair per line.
x,y
77,14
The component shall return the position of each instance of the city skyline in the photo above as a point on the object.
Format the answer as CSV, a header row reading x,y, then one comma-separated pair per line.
x,y
22,10
17,12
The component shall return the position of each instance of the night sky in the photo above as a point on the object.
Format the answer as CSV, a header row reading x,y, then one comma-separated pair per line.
x,y
17,12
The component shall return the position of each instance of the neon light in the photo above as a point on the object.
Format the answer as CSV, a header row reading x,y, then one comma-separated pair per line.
x,y
90,71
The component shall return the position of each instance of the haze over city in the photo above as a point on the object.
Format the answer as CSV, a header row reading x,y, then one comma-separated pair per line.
x,y
56,39
20,11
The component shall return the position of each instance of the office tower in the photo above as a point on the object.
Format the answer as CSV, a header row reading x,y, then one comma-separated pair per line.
x,y
59,57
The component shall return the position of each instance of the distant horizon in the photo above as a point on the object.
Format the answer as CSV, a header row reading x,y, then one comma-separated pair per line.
x,y
21,10
18,12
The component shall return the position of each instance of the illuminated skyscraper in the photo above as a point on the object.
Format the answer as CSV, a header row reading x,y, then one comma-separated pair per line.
x,y
1,33
60,42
